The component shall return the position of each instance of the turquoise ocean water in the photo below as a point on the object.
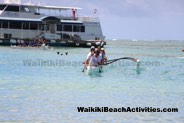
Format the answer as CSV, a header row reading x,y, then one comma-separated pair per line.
x,y
42,86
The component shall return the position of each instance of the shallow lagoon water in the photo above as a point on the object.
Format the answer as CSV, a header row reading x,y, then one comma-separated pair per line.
x,y
52,92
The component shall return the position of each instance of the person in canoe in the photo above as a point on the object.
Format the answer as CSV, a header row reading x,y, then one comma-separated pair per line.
x,y
96,58
90,54
103,54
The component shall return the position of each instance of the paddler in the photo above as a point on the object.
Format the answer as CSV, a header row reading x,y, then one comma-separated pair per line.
x,y
104,58
96,58
91,53
102,54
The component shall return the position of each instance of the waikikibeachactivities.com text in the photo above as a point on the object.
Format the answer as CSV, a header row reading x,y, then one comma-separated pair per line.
x,y
60,63
125,109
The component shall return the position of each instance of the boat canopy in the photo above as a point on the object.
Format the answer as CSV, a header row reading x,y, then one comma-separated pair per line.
x,y
58,7
44,7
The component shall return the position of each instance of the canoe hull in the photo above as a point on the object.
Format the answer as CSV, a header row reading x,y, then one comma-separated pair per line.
x,y
93,70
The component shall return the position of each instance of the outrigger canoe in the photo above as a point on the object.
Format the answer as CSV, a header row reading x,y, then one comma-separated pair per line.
x,y
93,70
98,69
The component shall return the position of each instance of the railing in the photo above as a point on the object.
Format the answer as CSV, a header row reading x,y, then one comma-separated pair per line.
x,y
89,19
32,15
84,19
67,17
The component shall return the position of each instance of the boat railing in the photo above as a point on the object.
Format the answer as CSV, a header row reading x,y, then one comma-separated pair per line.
x,y
33,15
68,18
89,19
83,19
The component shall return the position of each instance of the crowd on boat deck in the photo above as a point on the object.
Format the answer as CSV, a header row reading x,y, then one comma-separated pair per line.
x,y
35,43
95,57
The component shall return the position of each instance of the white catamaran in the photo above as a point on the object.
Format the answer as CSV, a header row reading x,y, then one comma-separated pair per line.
x,y
63,28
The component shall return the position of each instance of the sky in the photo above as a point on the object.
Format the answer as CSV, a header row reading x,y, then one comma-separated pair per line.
x,y
132,19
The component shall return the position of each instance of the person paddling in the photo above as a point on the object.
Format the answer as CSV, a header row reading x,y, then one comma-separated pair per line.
x,y
90,54
96,59
104,58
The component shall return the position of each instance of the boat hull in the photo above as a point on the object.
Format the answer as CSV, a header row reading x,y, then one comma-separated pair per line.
x,y
57,43
92,70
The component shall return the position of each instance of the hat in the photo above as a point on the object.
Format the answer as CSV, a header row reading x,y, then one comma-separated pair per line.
x,y
92,47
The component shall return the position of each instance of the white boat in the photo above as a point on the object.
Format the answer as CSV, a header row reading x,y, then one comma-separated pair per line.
x,y
92,70
22,21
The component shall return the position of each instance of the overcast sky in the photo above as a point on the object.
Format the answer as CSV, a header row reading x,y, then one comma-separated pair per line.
x,y
133,19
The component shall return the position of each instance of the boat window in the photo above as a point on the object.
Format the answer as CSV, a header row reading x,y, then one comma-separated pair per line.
x,y
82,28
5,24
2,7
59,28
15,25
24,9
68,28
33,26
25,25
12,8
76,28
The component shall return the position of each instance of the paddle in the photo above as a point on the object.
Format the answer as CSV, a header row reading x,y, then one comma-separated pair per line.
x,y
83,69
